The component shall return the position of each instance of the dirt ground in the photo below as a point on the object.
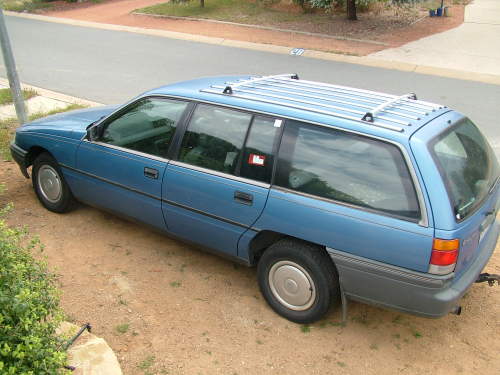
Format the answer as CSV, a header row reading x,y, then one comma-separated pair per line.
x,y
168,308
388,30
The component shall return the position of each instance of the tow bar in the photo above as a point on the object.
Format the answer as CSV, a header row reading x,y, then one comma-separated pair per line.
x,y
490,278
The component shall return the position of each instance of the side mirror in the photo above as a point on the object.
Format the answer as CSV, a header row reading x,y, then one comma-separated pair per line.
x,y
94,133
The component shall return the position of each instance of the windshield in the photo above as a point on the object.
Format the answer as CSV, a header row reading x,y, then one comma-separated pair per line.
x,y
467,164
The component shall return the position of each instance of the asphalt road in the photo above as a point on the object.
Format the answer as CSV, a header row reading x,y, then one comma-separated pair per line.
x,y
112,66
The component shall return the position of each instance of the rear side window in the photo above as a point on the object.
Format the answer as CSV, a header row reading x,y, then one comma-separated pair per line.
x,y
347,168
214,138
467,165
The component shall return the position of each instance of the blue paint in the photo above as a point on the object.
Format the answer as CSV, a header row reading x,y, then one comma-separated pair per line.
x,y
199,206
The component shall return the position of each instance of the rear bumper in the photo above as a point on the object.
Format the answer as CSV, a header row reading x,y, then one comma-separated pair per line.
x,y
412,292
21,158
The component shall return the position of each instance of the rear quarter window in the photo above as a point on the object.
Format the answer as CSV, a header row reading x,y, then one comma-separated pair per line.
x,y
467,165
346,168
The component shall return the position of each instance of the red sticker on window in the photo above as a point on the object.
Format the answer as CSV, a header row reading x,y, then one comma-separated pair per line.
x,y
254,159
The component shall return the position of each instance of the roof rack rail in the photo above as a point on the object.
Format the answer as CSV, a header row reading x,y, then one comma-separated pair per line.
x,y
368,107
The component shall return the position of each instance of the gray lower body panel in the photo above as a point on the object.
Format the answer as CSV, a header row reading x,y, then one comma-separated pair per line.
x,y
401,289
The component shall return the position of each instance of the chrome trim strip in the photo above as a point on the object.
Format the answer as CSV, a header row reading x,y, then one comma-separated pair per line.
x,y
416,183
424,221
220,174
87,144
289,105
344,204
130,151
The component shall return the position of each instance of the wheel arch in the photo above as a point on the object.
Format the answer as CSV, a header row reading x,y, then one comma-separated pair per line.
x,y
33,153
265,238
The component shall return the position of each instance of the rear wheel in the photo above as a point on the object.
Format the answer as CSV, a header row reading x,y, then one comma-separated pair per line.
x,y
298,280
50,187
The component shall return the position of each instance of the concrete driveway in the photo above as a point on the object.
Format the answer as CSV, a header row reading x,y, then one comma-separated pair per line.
x,y
474,46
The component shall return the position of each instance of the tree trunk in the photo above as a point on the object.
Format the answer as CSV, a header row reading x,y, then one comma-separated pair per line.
x,y
351,10
202,3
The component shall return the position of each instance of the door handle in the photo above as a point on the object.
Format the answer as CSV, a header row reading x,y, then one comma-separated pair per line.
x,y
151,173
243,198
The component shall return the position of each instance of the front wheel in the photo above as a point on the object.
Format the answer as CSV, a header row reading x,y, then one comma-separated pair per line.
x,y
50,187
298,280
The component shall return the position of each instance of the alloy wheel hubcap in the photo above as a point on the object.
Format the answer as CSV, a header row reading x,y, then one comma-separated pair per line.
x,y
49,183
292,285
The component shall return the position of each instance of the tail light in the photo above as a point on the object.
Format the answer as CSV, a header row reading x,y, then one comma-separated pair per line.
x,y
444,256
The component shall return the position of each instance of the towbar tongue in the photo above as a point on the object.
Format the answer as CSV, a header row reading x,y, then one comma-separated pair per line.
x,y
490,278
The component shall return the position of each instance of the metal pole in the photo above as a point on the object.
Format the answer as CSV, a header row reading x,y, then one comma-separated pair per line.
x,y
10,66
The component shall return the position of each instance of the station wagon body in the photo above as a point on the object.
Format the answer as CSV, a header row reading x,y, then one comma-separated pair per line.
x,y
332,191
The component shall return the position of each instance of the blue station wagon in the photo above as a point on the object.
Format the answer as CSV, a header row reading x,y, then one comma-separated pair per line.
x,y
334,193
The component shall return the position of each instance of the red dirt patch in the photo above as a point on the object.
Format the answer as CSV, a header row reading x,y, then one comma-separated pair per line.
x,y
385,30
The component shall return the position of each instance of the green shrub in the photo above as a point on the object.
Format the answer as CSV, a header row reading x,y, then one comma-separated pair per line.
x,y
29,309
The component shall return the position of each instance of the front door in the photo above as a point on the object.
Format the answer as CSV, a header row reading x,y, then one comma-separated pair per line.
x,y
123,170
218,186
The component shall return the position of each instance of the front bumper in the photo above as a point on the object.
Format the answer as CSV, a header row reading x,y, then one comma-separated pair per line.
x,y
412,292
20,156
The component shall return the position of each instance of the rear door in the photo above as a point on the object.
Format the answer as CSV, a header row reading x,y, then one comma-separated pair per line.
x,y
218,186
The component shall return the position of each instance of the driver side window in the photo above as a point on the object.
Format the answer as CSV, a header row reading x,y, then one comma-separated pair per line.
x,y
148,126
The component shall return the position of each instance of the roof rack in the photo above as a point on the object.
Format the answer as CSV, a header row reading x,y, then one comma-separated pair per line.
x,y
369,107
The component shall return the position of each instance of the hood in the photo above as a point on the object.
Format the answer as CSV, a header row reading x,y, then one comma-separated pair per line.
x,y
71,124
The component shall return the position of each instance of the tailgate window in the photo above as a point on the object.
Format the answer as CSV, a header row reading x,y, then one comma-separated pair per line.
x,y
467,165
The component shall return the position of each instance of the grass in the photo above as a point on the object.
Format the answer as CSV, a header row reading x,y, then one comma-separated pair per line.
x,y
24,5
147,363
305,328
122,328
6,96
8,127
175,284
240,11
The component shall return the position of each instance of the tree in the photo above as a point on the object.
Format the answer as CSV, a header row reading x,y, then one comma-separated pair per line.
x,y
351,10
202,3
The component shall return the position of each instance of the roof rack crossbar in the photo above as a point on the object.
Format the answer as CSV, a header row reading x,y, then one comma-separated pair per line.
x,y
360,93
262,86
229,89
315,110
370,115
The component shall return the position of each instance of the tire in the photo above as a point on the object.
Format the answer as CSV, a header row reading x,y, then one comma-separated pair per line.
x,y
50,187
298,280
